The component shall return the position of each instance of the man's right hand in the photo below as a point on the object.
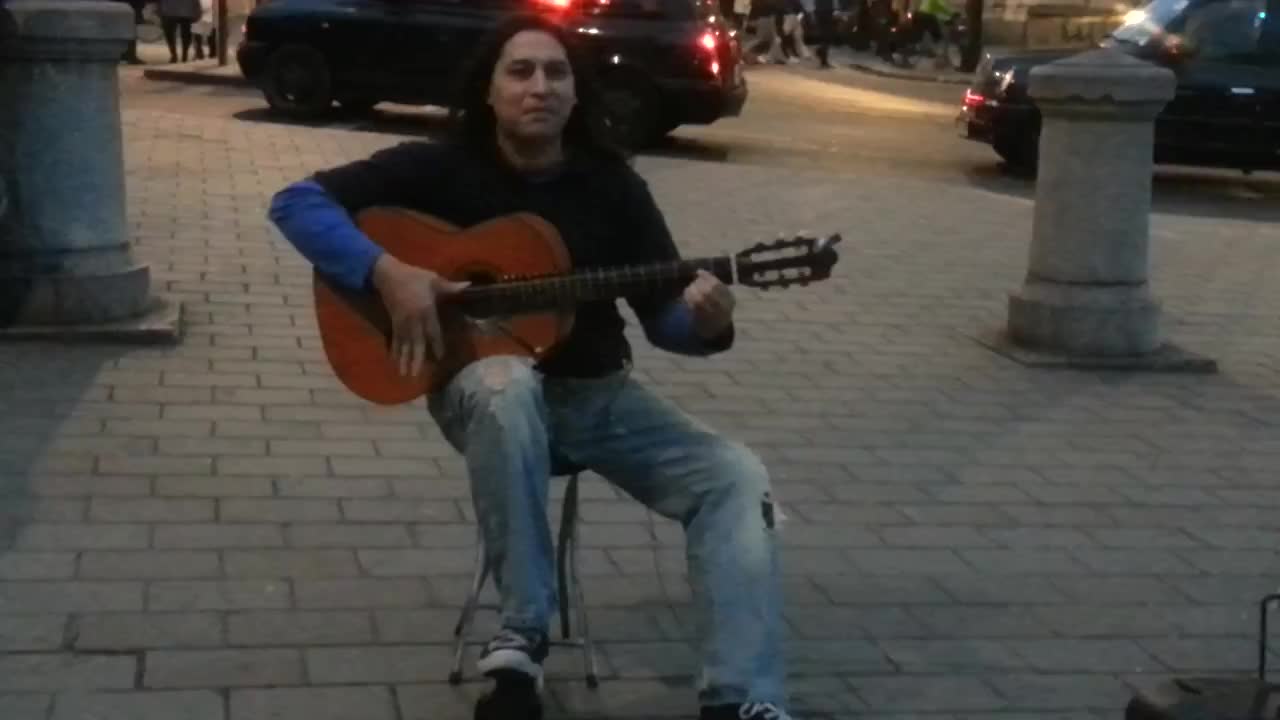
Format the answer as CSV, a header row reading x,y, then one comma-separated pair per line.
x,y
410,295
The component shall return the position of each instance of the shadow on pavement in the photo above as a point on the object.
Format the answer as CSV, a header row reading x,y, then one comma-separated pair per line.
x,y
50,429
433,125
1175,191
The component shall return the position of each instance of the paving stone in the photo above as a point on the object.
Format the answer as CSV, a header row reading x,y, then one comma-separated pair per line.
x,y
624,699
360,535
37,566
47,672
130,631
218,536
945,693
194,595
26,706
351,593
1102,621
332,487
398,510
442,701
978,589
1203,655
237,667
314,703
413,562
213,487
277,510
377,664
69,597
148,705
82,536
326,563
880,590
1040,692
635,660
821,657
977,621
297,628
1022,562
1084,655
31,632
148,564
951,656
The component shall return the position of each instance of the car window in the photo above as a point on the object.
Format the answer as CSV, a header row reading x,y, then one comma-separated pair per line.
x,y
1145,23
468,4
1223,29
638,9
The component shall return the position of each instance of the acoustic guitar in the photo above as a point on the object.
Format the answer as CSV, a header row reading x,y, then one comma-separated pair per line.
x,y
522,295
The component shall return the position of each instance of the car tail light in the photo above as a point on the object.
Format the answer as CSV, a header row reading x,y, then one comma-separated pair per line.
x,y
973,99
710,43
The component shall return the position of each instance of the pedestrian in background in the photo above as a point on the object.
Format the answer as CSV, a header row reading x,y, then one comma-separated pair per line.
x,y
204,31
177,16
766,18
824,25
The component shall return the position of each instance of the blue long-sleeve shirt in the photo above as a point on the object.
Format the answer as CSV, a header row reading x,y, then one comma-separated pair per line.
x,y
322,231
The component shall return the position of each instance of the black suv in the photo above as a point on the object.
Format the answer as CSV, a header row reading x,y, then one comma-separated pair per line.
x,y
1226,55
663,63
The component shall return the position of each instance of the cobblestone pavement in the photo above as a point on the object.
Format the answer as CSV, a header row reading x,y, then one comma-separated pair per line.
x,y
219,530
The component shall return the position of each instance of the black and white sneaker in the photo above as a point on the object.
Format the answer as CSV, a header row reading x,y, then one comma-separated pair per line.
x,y
745,711
514,651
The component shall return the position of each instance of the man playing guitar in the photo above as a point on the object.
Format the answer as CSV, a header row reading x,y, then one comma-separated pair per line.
x,y
527,142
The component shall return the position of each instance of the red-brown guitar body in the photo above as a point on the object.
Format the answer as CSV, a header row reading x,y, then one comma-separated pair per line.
x,y
355,328
522,295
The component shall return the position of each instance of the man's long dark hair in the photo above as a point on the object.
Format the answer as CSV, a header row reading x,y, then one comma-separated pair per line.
x,y
472,117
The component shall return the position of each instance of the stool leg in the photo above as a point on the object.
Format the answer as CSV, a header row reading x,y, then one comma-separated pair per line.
x,y
579,599
564,546
468,610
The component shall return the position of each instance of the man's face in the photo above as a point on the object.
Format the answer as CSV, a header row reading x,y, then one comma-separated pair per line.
x,y
532,92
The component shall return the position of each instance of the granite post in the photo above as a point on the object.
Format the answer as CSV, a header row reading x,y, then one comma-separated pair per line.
x,y
1086,298
66,269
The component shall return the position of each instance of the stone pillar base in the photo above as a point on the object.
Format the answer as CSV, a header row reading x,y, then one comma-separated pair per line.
x,y
1084,320
66,270
159,323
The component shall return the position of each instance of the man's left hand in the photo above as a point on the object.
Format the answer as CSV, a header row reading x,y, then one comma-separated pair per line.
x,y
712,303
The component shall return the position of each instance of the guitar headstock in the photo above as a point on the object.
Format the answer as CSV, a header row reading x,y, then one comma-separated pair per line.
x,y
783,263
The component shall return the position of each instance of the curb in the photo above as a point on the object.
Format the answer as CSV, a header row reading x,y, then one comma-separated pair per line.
x,y
195,77
917,77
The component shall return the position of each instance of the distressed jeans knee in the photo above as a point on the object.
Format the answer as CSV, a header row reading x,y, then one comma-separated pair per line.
x,y
494,413
733,563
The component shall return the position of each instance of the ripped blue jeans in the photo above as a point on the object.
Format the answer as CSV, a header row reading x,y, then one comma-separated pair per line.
x,y
507,419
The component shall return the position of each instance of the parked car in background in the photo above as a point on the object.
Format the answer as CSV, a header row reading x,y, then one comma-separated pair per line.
x,y
662,63
1225,53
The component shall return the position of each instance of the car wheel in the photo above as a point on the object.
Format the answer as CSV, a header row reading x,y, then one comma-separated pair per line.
x,y
297,82
631,110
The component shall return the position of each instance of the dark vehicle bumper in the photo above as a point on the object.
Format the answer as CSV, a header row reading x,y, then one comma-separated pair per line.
x,y
987,120
704,103
252,59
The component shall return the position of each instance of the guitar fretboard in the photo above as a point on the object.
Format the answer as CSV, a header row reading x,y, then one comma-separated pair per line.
x,y
514,295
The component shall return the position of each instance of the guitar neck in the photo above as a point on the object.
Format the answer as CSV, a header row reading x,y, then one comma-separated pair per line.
x,y
514,295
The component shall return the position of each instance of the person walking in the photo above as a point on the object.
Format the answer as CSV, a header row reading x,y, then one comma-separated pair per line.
x,y
176,17
824,26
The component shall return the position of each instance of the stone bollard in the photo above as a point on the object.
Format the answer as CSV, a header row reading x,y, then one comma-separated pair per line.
x,y
66,270
1086,299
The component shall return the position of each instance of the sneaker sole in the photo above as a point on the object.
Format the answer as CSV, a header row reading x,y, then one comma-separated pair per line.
x,y
501,663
